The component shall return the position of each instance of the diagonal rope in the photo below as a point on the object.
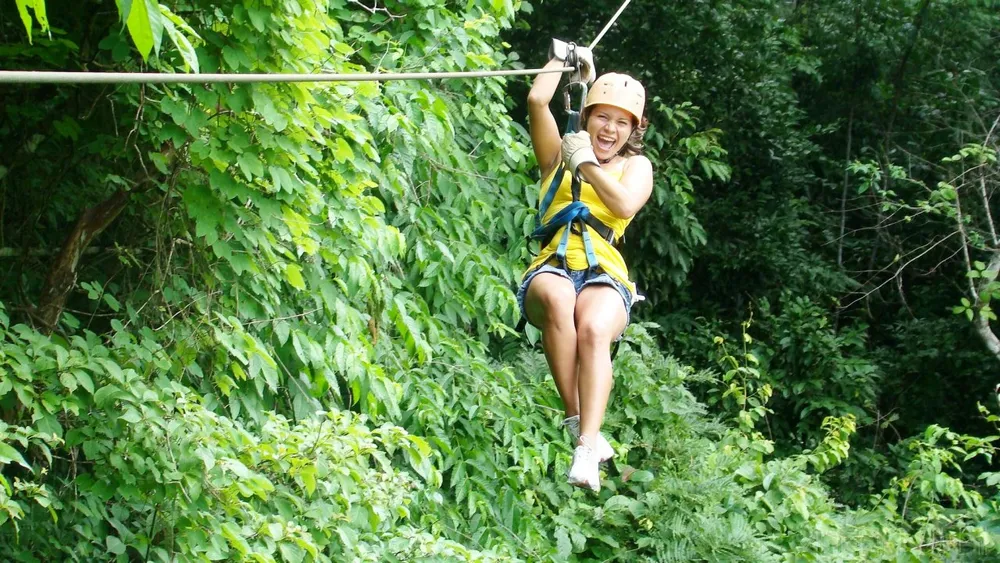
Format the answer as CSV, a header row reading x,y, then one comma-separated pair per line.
x,y
58,77
610,23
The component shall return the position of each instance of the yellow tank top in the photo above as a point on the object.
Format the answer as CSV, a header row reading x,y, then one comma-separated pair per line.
x,y
608,257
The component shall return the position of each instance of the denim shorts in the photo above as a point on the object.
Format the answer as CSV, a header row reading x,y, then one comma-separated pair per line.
x,y
580,279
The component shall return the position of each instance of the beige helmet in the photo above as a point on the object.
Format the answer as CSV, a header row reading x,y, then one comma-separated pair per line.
x,y
619,90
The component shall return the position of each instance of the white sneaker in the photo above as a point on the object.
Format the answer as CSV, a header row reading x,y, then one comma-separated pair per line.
x,y
602,447
583,473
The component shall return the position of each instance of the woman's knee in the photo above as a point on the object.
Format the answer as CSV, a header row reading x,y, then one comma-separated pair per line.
x,y
600,317
593,333
550,299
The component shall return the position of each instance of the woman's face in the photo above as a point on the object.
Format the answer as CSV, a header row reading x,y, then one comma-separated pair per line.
x,y
609,128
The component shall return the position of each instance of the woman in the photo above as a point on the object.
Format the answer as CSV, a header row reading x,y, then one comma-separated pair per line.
x,y
580,309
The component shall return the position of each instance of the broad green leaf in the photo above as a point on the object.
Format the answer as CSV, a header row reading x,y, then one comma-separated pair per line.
x,y
250,165
564,547
308,476
293,274
291,552
179,33
131,415
83,378
264,105
281,330
106,395
38,7
642,476
144,25
115,545
8,454
259,17
343,152
68,381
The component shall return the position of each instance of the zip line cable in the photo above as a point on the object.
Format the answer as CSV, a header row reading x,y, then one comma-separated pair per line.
x,y
610,23
59,77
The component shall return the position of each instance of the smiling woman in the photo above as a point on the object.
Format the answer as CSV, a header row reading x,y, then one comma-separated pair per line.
x,y
619,98
577,291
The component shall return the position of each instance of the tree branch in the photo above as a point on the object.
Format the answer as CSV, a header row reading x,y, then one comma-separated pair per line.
x,y
959,219
900,269
897,79
63,273
986,207
843,197
982,323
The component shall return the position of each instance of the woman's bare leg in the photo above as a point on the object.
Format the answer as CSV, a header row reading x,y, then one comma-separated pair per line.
x,y
549,305
600,318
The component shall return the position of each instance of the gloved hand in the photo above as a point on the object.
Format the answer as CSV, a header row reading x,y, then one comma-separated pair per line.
x,y
579,57
578,149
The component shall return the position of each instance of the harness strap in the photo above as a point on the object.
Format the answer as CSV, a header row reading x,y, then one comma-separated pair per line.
x,y
573,121
543,207
574,213
606,232
572,126
575,217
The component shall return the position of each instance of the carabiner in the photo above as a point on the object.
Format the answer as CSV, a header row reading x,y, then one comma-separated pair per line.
x,y
567,102
574,115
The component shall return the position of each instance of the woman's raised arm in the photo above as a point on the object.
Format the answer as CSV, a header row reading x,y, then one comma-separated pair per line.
x,y
545,138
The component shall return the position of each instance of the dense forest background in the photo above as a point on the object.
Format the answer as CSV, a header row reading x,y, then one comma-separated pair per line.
x,y
273,322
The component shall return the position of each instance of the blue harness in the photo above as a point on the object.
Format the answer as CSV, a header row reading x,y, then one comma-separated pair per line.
x,y
575,218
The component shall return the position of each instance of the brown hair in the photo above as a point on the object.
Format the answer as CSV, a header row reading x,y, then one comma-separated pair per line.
x,y
633,146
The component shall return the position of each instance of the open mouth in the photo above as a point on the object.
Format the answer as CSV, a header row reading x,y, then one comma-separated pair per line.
x,y
605,143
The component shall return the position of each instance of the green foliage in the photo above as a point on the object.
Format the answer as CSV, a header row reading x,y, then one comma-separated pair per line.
x,y
743,392
942,511
154,469
146,21
668,227
294,343
816,370
296,245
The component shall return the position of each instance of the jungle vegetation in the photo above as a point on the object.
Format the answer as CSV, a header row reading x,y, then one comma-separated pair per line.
x,y
275,322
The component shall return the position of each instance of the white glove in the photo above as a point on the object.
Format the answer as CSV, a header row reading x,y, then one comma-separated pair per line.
x,y
581,56
578,149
